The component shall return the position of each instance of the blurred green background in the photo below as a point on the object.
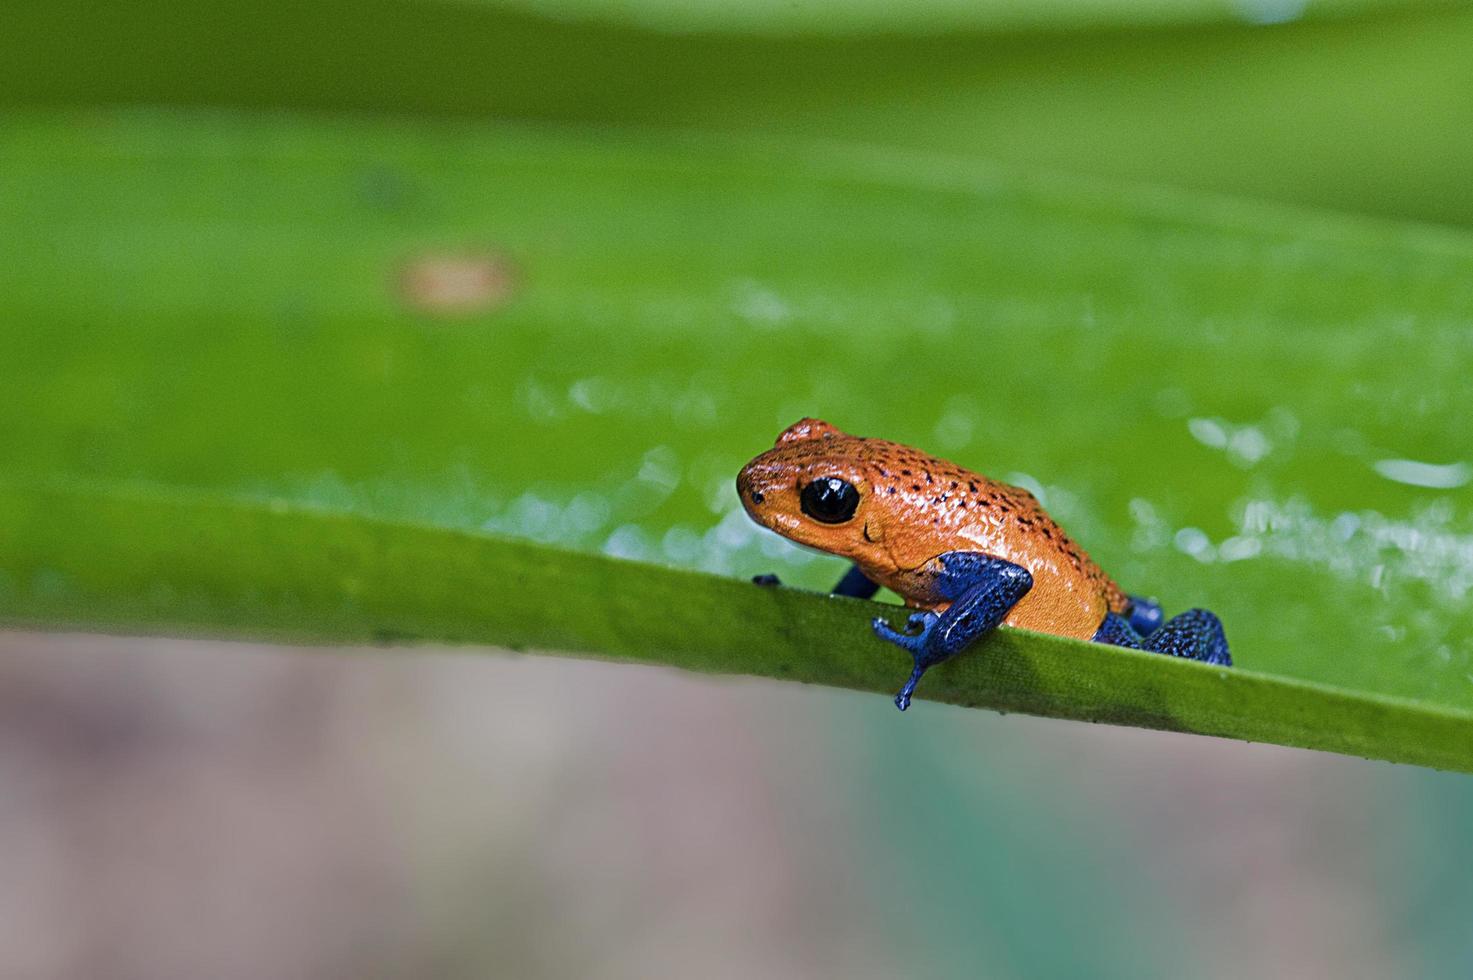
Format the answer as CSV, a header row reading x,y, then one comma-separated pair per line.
x,y
1196,273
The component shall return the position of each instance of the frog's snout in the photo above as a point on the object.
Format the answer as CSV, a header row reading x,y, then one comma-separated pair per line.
x,y
748,490
757,485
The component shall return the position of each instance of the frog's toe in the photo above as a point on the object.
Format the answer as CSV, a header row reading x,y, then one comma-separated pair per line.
x,y
885,631
918,622
902,700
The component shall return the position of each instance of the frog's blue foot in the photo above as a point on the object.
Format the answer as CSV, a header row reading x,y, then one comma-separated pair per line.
x,y
917,639
1117,631
1196,634
981,590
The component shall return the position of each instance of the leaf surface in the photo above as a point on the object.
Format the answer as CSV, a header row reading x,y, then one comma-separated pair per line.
x,y
1258,410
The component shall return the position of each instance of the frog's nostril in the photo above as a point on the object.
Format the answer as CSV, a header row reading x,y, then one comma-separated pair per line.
x,y
757,497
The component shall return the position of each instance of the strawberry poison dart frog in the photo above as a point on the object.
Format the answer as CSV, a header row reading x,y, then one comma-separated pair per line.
x,y
965,552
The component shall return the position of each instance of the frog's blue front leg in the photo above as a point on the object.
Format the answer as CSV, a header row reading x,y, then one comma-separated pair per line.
x,y
981,590
856,584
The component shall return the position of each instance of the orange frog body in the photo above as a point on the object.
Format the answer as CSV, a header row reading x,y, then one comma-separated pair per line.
x,y
966,551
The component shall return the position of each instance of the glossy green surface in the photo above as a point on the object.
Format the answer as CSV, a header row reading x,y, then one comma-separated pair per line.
x,y
1229,405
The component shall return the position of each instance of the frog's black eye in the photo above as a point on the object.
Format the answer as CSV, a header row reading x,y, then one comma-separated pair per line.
x,y
830,500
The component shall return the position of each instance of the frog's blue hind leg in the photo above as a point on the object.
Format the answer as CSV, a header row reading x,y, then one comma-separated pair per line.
x,y
1196,634
981,590
1145,615
1117,631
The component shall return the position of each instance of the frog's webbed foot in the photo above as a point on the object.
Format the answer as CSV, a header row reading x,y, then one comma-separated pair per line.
x,y
981,589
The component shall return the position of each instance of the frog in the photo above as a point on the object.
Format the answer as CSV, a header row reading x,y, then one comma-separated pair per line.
x,y
965,553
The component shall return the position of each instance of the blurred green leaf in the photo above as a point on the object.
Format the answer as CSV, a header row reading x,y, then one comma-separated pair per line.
x,y
397,337
1369,113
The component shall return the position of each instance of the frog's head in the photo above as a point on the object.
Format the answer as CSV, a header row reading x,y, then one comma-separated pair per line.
x,y
814,487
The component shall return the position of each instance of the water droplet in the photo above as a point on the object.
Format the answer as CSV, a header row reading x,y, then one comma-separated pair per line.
x,y
627,541
1209,432
1195,542
1431,475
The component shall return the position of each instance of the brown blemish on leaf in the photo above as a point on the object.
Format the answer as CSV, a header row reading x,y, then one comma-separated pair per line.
x,y
457,285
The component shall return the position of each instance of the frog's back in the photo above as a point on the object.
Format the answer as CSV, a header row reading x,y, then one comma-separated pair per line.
x,y
945,507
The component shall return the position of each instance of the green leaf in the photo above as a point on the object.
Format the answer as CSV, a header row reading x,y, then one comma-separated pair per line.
x,y
154,561
1257,410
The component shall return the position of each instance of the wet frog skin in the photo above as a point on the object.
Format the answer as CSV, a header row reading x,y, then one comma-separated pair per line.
x,y
966,552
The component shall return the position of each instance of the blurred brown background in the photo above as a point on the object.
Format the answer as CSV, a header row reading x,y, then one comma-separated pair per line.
x,y
182,809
